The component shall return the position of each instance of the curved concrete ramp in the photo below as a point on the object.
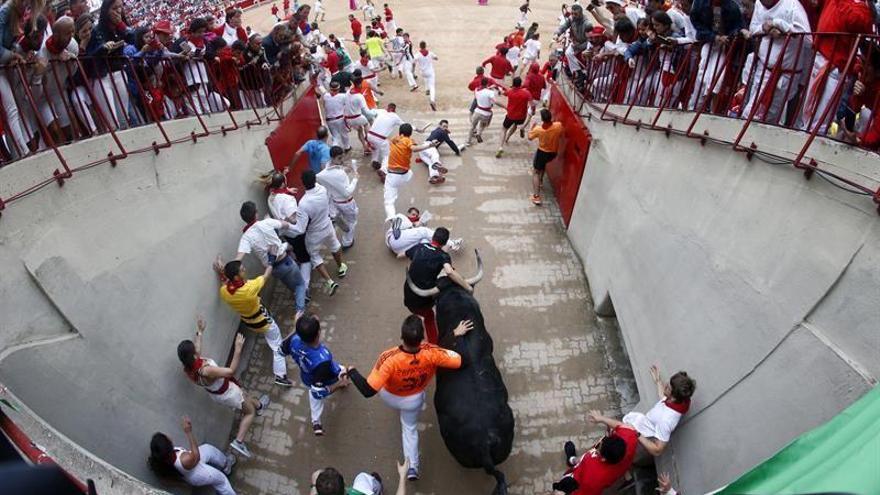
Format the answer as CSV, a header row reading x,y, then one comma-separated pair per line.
x,y
122,256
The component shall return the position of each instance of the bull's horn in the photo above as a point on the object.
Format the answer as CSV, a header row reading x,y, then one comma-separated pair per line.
x,y
479,276
421,292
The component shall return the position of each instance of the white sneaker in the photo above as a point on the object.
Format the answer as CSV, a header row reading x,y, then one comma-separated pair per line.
x,y
230,462
241,448
454,245
264,404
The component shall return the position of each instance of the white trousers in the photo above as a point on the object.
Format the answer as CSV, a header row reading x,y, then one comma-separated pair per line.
x,y
346,216
208,472
430,85
305,269
273,340
315,240
316,406
429,157
711,59
381,150
111,93
409,408
339,131
393,183
408,238
760,80
13,117
82,103
813,108
574,64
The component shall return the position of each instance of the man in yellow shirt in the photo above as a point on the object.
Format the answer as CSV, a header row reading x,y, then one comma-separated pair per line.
x,y
376,50
243,296
399,160
549,135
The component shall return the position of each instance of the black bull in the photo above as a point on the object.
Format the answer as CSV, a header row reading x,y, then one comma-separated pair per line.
x,y
476,422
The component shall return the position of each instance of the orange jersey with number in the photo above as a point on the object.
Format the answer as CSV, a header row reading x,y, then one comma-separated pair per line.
x,y
405,373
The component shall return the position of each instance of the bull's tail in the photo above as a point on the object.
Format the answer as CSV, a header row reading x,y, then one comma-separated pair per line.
x,y
489,467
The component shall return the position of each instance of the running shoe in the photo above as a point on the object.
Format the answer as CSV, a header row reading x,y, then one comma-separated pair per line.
x,y
536,200
343,269
437,179
440,168
395,227
522,132
318,429
427,92
376,165
455,244
241,448
499,153
414,89
230,462
433,107
479,138
412,474
570,453
264,404
330,287
283,381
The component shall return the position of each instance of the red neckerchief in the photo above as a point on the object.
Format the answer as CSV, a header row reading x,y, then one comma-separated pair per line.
x,y
679,407
121,27
414,219
246,227
546,125
199,42
424,52
234,285
281,190
435,244
241,34
52,46
193,374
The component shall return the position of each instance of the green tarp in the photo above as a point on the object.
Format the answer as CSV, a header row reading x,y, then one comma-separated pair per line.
x,y
842,456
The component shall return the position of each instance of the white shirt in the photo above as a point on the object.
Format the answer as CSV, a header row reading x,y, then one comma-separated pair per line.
x,y
659,423
386,123
282,207
336,181
681,22
513,55
366,71
485,99
230,34
334,105
532,49
355,104
634,14
426,62
788,16
259,237
314,210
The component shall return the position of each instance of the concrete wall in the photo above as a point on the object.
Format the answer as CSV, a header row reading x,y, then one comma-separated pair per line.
x,y
762,285
122,257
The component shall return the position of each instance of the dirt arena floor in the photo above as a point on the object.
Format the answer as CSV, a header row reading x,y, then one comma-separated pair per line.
x,y
558,360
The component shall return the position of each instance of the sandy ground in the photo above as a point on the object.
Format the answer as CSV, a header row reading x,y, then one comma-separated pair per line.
x,y
557,359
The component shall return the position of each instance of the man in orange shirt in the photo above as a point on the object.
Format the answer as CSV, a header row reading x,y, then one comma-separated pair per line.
x,y
402,374
399,159
549,136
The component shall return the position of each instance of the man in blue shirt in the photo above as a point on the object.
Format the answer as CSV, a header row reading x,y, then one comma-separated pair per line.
x,y
318,371
318,151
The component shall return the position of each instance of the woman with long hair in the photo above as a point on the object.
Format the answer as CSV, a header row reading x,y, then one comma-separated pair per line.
x,y
12,15
201,465
106,66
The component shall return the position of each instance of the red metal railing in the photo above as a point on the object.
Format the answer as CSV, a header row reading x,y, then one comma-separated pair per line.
x,y
772,80
45,106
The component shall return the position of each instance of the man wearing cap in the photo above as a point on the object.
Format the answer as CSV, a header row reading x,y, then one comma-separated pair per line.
x,y
401,375
578,31
385,123
164,33
334,112
341,187
318,151
399,161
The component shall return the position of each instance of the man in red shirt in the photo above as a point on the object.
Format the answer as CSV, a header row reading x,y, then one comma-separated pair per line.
x,y
500,65
602,465
356,28
475,84
518,99
332,61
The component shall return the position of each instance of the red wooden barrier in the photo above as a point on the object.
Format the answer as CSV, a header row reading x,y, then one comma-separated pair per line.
x,y
298,126
566,171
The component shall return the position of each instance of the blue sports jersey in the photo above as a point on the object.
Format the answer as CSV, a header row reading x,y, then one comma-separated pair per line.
x,y
309,359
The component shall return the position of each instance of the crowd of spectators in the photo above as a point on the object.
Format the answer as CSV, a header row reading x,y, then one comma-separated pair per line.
x,y
72,74
178,12
775,61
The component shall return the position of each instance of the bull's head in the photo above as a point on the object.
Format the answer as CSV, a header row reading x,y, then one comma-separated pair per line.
x,y
436,290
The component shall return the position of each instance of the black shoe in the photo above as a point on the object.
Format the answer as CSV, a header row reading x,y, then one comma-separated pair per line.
x,y
570,453
433,107
376,165
395,227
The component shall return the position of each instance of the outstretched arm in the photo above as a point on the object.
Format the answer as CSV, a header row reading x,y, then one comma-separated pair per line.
x,y
360,383
455,277
191,458
401,476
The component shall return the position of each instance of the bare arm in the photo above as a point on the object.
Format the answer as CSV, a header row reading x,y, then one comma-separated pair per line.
x,y
455,277
652,445
596,417
401,478
658,381
226,372
200,329
191,458
424,146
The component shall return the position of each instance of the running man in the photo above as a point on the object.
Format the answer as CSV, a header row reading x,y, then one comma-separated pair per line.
x,y
383,126
376,49
425,61
356,110
484,100
318,150
518,99
318,371
401,375
549,135
283,206
220,382
243,296
341,187
334,109
314,218
399,161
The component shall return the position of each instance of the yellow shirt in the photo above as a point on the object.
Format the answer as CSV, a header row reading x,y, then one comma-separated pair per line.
x,y
548,139
375,47
247,303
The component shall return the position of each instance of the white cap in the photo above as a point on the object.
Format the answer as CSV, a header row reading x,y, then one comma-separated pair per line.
x,y
366,484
